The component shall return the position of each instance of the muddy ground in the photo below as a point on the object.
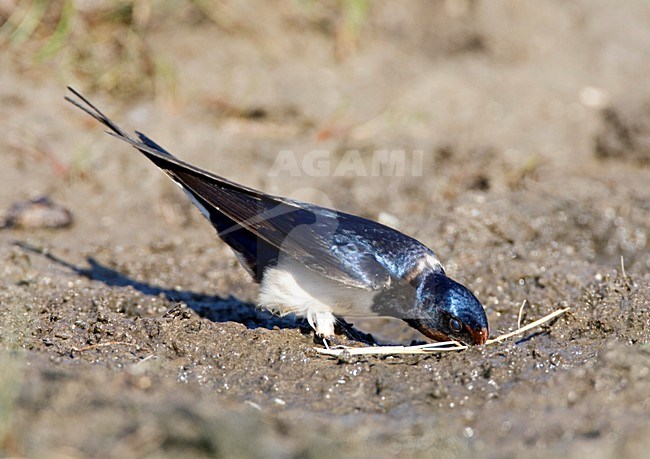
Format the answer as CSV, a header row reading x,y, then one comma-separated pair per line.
x,y
134,333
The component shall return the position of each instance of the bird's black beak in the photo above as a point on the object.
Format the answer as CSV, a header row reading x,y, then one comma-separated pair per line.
x,y
478,337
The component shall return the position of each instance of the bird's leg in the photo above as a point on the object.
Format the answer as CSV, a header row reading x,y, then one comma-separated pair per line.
x,y
325,325
322,323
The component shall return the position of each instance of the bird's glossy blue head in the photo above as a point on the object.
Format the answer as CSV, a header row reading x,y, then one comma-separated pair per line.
x,y
448,310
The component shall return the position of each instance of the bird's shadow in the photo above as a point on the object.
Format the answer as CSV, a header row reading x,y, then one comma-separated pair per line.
x,y
212,307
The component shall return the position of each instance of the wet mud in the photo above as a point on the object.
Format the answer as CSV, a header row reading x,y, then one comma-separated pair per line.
x,y
133,332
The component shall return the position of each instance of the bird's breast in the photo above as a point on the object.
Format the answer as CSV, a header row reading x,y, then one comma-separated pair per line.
x,y
291,287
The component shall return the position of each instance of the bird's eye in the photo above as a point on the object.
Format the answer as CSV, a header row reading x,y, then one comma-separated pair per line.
x,y
455,324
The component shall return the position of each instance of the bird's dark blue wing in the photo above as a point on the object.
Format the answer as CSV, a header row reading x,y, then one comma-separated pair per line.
x,y
272,226
343,247
259,227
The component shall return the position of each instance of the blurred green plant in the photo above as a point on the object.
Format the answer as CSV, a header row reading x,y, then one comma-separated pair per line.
x,y
104,43
355,14
21,25
348,17
61,33
218,12
114,58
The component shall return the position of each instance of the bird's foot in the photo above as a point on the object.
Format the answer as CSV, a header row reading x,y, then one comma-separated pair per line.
x,y
332,341
327,328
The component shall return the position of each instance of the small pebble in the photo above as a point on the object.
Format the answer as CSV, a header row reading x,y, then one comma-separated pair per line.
x,y
37,213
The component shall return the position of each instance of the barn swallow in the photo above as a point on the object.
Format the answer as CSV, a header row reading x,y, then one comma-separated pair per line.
x,y
320,263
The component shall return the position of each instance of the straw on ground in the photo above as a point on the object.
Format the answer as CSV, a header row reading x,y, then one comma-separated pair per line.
x,y
433,347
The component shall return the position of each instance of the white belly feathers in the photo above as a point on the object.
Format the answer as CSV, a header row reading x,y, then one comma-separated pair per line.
x,y
290,287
